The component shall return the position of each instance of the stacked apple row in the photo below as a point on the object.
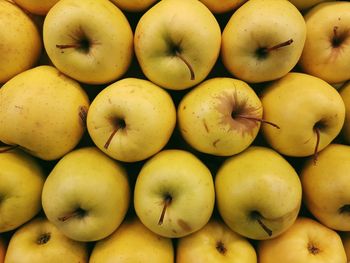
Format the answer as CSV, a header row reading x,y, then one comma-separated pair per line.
x,y
152,147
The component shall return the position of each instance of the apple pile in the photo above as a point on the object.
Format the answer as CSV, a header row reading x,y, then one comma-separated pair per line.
x,y
174,131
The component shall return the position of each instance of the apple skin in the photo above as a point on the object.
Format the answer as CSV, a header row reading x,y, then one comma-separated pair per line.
x,y
20,41
254,184
184,26
306,4
147,112
134,5
205,116
320,57
38,7
133,242
92,185
3,248
103,32
249,30
345,94
299,104
326,186
215,243
40,241
43,112
182,176
305,241
22,180
223,6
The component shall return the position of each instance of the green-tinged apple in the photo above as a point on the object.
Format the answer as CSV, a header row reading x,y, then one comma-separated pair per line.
x,y
21,45
258,193
306,241
221,116
38,7
3,248
215,243
22,180
43,112
90,41
345,94
86,195
309,112
177,43
133,242
326,186
174,193
223,6
40,241
306,4
131,119
345,236
327,48
134,5
257,47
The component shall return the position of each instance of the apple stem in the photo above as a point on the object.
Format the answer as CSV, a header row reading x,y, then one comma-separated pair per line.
x,y
108,142
75,213
283,44
177,53
335,32
266,229
68,46
9,148
167,202
258,119
317,131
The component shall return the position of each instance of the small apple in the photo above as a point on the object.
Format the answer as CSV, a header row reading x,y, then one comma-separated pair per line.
x,y
345,94
215,243
22,180
326,52
40,241
90,41
134,5
177,43
131,119
174,193
223,6
38,7
133,242
258,193
86,195
43,112
305,241
257,47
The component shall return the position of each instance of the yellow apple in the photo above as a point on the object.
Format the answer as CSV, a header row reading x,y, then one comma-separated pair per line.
x,y
306,241
38,7
215,243
40,241
134,5
133,242
218,7
326,52
345,94
20,40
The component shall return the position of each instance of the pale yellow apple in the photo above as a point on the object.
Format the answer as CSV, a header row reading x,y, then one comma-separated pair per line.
x,y
309,112
306,241
215,243
131,119
174,193
263,40
327,48
345,94
86,195
3,248
20,40
220,116
305,4
43,112
40,241
345,236
177,43
38,7
90,41
133,242
22,180
134,5
223,6
326,186
258,193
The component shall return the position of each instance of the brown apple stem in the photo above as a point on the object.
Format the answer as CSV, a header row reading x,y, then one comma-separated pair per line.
x,y
167,202
108,142
258,119
266,229
186,63
317,131
66,217
77,45
9,148
283,44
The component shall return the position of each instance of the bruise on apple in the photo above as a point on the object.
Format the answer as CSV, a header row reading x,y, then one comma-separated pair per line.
x,y
184,225
220,247
43,238
313,249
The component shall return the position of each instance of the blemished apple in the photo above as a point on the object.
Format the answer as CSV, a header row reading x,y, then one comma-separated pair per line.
x,y
174,193
223,6
220,116
22,180
41,242
214,243
134,5
345,94
3,248
90,41
133,242
305,241
258,193
20,41
257,47
43,112
345,236
308,110
326,186
38,7
86,195
177,43
131,119
327,50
